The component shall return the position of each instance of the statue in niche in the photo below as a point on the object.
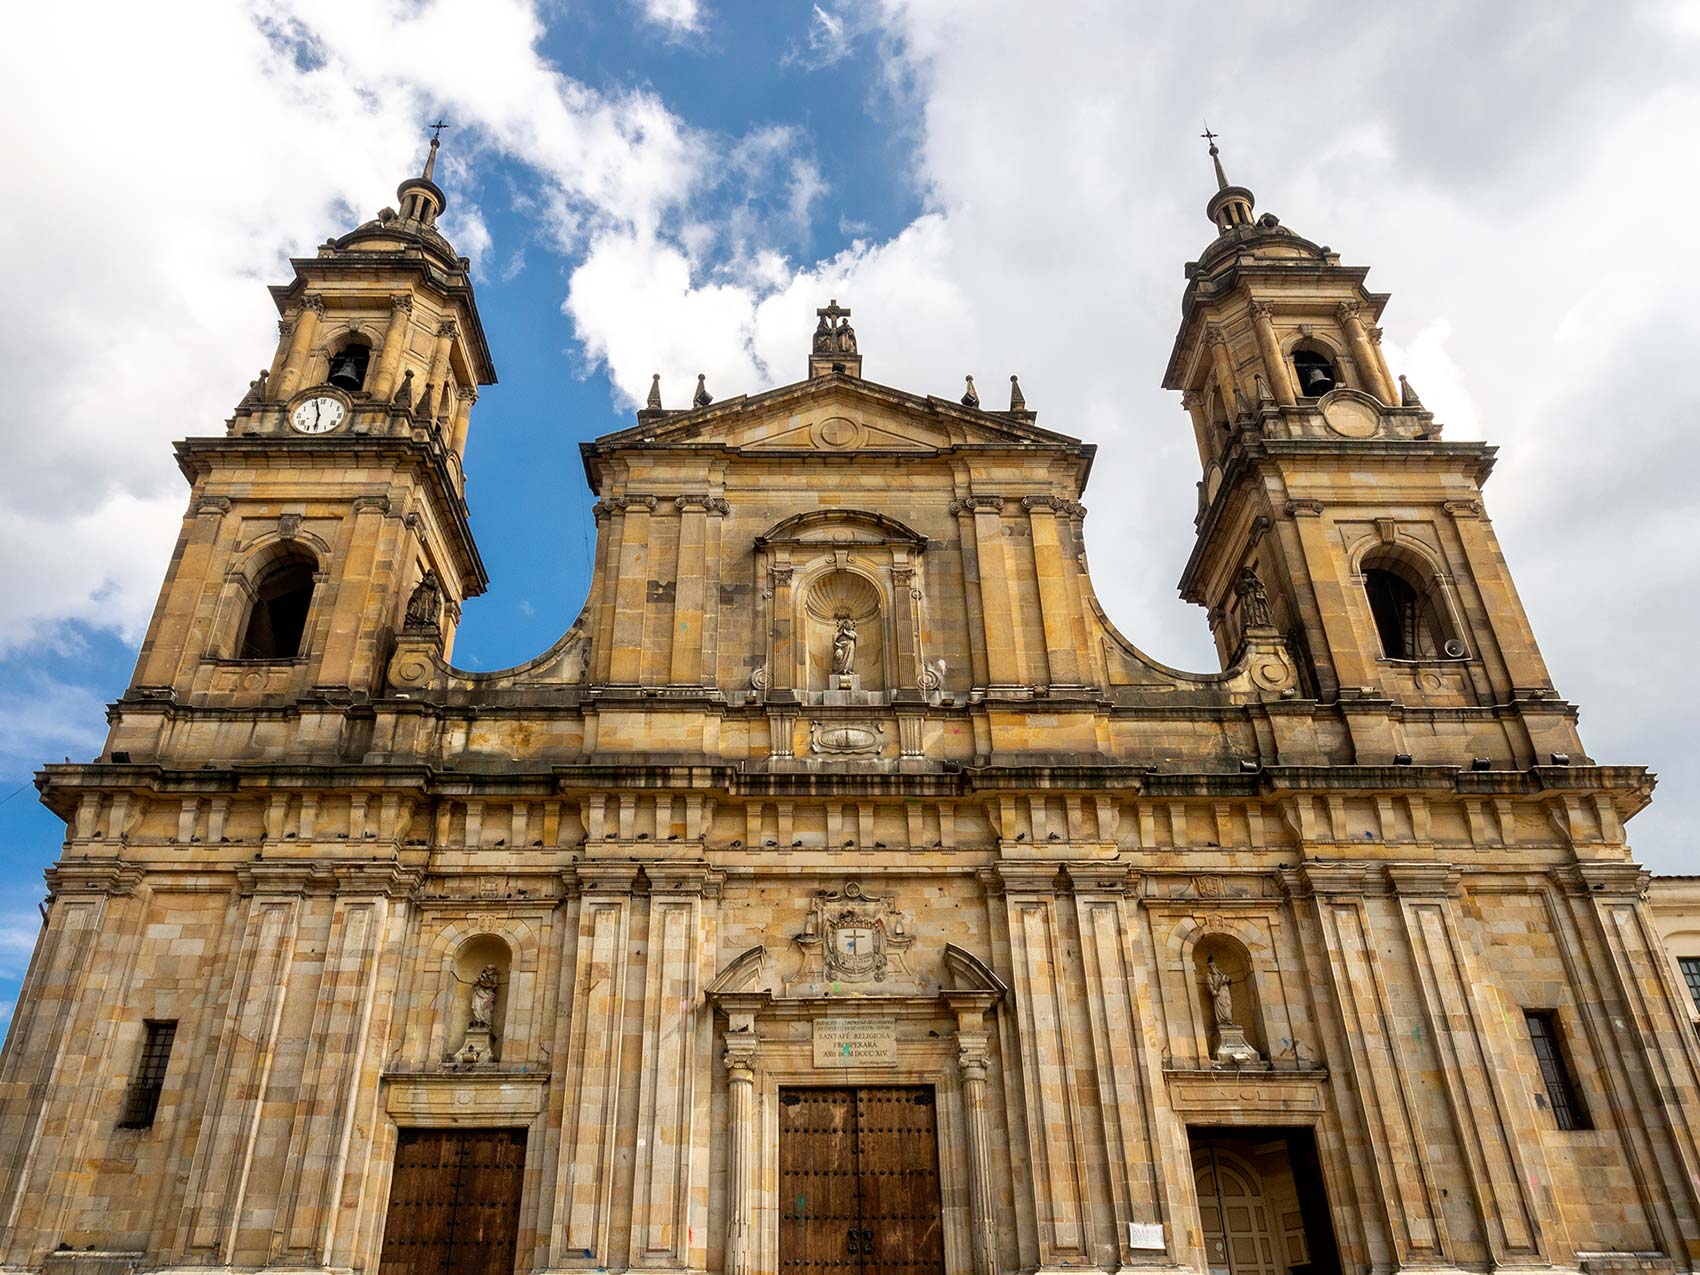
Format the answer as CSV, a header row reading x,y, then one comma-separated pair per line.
x,y
1221,993
1254,601
844,646
484,997
424,607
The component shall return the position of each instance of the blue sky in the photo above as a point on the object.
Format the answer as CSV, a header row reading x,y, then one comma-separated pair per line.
x,y
673,185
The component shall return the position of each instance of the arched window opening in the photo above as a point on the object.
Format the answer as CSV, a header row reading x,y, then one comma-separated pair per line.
x,y
1314,372
1408,619
348,367
278,618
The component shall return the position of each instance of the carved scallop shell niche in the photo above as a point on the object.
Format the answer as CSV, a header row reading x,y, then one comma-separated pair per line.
x,y
843,635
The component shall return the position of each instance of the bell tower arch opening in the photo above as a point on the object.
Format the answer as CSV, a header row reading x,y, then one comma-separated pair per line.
x,y
276,624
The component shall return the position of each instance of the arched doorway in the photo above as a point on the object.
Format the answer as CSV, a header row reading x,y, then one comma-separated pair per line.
x,y
1262,1208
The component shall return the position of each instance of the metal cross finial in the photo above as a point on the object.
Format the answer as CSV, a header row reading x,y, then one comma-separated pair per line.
x,y
1208,136
437,130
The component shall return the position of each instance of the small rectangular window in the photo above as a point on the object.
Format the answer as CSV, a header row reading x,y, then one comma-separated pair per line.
x,y
142,1099
1690,967
1562,1095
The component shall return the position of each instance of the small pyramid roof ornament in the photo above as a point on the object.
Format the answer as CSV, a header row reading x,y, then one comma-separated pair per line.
x,y
654,402
1230,207
1017,400
1407,393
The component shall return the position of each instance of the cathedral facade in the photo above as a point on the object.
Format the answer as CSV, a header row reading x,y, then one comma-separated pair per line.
x,y
844,893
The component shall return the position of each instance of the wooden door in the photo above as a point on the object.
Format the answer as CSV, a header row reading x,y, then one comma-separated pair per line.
x,y
1238,1232
859,1182
454,1202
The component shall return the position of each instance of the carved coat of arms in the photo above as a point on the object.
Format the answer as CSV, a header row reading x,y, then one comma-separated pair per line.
x,y
856,937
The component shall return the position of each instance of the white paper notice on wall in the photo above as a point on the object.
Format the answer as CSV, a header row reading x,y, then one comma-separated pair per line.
x,y
1145,1235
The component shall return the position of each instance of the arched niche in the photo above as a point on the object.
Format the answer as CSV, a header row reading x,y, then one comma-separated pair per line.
x,y
1218,955
472,966
831,567
842,617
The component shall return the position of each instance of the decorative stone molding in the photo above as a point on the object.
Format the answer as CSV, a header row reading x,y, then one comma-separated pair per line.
x,y
978,504
1347,310
93,876
845,738
372,504
402,301
703,501
1304,509
213,505
1462,508
1054,503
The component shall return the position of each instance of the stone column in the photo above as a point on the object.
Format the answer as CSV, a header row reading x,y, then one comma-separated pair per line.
x,y
689,594
1492,1119
1193,401
1226,382
905,650
438,376
631,591
1056,611
670,1184
300,346
395,339
972,1060
1280,381
463,419
740,1149
782,677
996,606
1368,361
973,603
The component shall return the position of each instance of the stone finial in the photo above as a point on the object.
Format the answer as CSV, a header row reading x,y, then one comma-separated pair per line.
x,y
971,396
702,398
403,396
1407,394
1017,400
427,403
654,402
1241,407
1263,394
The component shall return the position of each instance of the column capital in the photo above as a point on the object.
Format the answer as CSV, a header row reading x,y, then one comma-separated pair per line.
x,y
1050,504
1214,335
402,302
1262,311
313,302
448,328
978,504
1348,311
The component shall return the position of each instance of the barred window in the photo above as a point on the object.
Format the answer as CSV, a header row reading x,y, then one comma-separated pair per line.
x,y
1562,1095
142,1100
1690,967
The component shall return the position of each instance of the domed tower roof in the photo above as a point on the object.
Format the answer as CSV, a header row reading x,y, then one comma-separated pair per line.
x,y
420,201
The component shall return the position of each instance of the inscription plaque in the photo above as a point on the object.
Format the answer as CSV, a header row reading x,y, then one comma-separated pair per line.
x,y
855,1042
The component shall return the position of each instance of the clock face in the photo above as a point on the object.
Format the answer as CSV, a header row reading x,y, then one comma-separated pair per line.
x,y
318,415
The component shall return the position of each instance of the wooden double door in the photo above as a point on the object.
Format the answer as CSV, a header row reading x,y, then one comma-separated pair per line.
x,y
859,1181
454,1202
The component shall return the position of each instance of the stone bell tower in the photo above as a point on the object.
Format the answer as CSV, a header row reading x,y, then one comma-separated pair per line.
x,y
333,499
1333,510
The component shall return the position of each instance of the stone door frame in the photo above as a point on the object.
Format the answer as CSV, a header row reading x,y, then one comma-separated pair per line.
x,y
767,1045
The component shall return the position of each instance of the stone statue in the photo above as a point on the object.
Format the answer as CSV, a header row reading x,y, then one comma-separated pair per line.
x,y
425,606
1254,601
844,646
823,335
484,997
846,337
1221,993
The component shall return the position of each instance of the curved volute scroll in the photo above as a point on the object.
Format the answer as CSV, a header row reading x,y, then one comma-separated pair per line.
x,y
968,973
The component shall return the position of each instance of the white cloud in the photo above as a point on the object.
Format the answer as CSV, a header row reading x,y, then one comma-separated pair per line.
x,y
677,17
44,719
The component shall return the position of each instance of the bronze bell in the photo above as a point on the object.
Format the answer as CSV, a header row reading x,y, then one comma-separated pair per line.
x,y
348,371
1317,381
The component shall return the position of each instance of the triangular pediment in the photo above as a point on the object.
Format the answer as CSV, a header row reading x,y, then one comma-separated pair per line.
x,y
837,414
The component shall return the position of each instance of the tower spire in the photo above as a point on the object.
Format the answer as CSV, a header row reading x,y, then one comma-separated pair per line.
x,y
1230,206
422,200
